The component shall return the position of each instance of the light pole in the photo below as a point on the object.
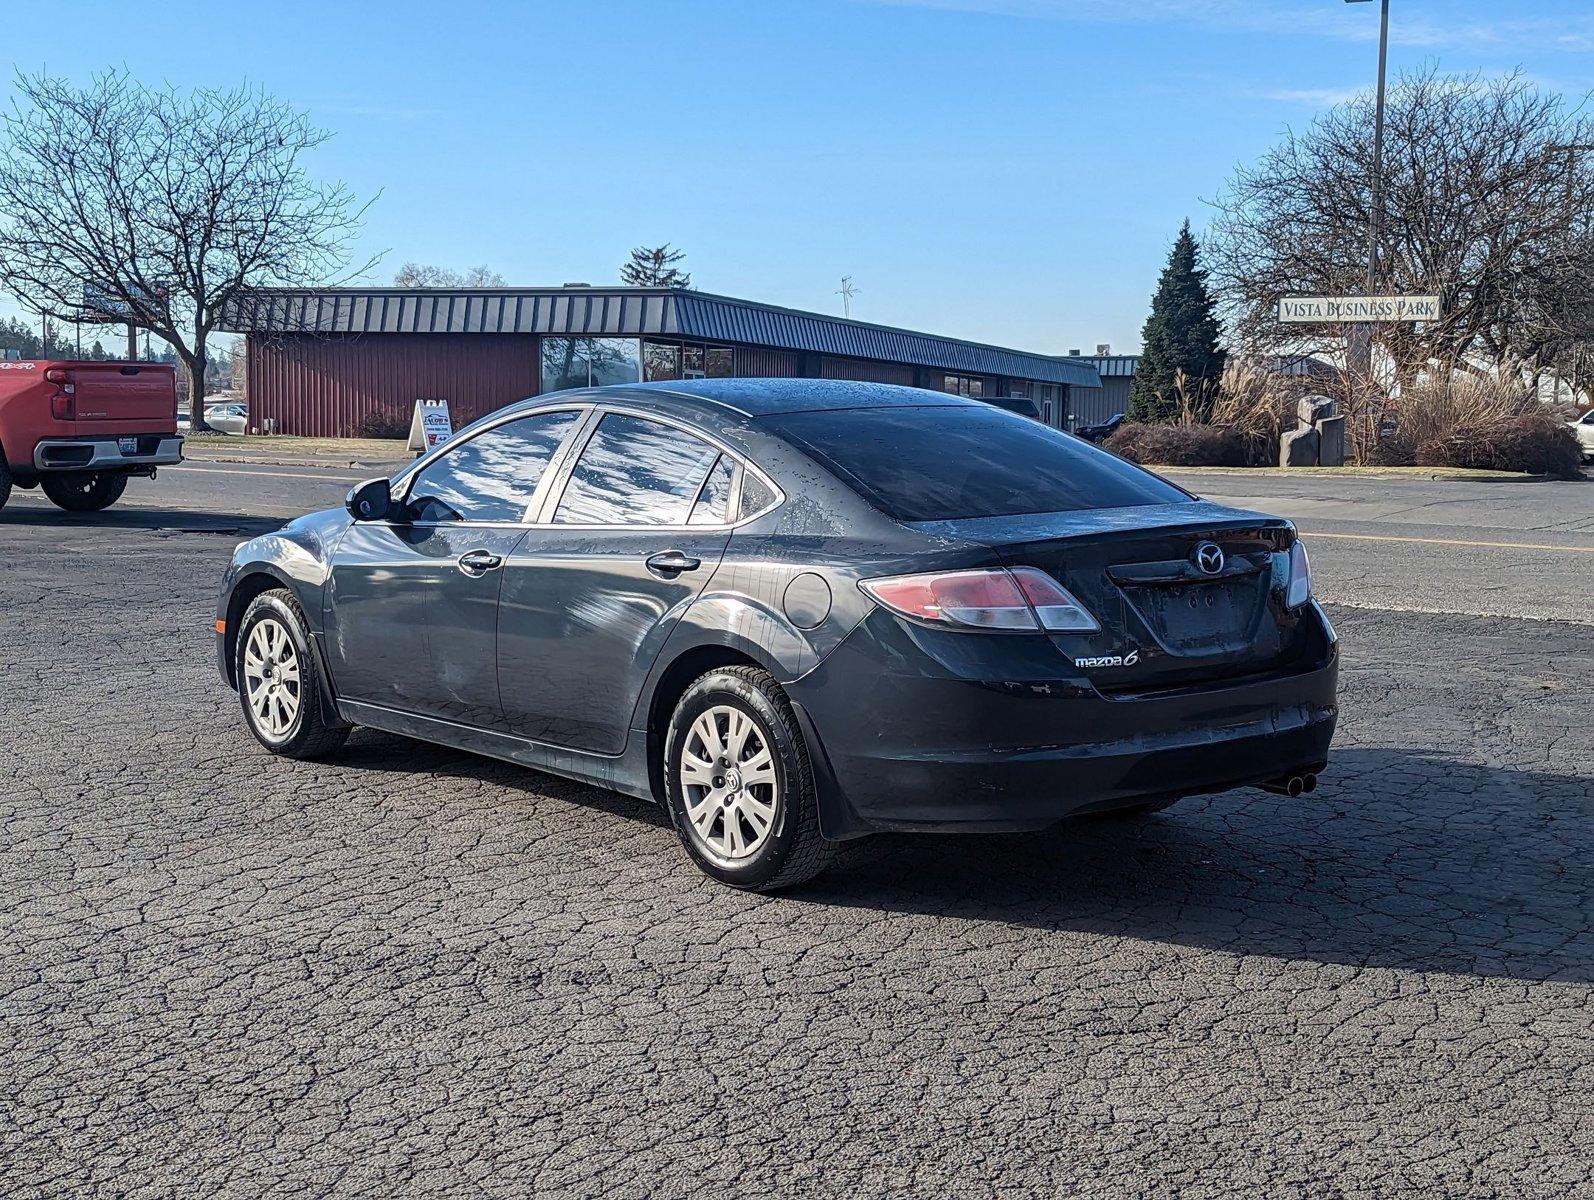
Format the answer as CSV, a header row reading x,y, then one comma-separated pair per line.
x,y
1360,350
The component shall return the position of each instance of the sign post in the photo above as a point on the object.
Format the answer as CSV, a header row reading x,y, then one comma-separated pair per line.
x,y
430,426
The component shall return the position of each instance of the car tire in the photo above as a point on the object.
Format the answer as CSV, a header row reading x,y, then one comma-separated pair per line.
x,y
5,479
273,647
762,834
84,491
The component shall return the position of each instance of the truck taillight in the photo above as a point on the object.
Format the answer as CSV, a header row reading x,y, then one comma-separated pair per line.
x,y
63,406
57,375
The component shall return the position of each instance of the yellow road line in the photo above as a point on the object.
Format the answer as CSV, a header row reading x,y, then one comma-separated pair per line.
x,y
332,475
1387,537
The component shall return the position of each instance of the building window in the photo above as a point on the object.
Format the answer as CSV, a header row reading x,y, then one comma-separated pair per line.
x,y
660,360
667,360
1019,388
569,362
963,385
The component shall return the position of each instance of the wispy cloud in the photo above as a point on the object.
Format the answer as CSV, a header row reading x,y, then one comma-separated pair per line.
x,y
1483,30
1307,97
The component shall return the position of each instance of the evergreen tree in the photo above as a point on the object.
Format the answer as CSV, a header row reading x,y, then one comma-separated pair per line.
x,y
1181,335
654,266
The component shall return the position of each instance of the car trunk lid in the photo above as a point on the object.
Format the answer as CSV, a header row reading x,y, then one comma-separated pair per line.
x,y
1173,610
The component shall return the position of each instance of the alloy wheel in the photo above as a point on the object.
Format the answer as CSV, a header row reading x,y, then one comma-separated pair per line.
x,y
727,772
272,679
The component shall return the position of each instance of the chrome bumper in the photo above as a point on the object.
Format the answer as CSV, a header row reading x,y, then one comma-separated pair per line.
x,y
105,453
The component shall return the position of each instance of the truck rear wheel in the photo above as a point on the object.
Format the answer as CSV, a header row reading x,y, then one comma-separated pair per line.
x,y
5,480
84,491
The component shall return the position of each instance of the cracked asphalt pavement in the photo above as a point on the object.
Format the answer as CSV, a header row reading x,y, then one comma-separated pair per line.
x,y
406,971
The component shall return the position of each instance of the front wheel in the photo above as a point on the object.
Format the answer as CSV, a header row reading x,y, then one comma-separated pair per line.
x,y
279,680
739,784
84,491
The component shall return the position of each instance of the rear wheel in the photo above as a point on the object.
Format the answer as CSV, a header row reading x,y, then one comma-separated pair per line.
x,y
5,480
279,680
739,784
84,491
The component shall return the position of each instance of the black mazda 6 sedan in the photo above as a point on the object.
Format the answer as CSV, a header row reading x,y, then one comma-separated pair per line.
x,y
794,612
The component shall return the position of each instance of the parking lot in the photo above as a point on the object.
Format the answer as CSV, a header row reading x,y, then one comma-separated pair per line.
x,y
406,970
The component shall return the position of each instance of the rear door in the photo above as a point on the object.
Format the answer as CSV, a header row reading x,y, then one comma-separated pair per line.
x,y
590,596
412,607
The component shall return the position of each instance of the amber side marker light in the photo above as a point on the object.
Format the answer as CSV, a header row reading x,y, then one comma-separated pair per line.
x,y
221,627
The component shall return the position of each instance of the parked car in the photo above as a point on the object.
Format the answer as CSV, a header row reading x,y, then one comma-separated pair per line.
x,y
81,430
794,612
1100,433
228,418
1584,428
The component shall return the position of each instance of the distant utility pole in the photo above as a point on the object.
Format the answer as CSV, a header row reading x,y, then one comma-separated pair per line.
x,y
1360,351
846,292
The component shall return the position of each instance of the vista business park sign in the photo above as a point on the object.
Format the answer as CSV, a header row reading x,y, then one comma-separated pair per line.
x,y
1331,310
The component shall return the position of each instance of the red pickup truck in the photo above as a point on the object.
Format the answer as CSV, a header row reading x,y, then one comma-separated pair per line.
x,y
81,430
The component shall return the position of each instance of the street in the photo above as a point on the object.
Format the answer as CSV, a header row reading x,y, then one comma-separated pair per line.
x,y
407,970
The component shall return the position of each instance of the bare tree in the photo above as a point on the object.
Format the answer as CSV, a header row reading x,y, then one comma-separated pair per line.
x,y
1489,185
654,266
160,206
420,275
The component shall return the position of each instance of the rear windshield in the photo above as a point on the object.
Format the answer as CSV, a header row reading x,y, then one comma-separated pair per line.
x,y
939,464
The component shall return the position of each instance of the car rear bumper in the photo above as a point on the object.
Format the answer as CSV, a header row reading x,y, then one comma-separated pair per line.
x,y
105,453
913,746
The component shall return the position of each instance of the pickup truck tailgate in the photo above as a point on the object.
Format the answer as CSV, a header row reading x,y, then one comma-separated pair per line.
x,y
112,396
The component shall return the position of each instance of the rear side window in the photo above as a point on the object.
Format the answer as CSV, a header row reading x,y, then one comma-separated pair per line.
x,y
714,498
636,472
492,476
939,464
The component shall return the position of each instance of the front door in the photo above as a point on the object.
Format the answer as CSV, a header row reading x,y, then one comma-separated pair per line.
x,y
412,606
588,599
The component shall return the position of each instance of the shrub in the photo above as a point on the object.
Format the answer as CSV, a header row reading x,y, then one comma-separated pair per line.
x,y
1536,442
1258,404
1180,445
383,423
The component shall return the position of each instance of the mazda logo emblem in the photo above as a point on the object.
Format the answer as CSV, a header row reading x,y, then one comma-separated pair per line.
x,y
1209,557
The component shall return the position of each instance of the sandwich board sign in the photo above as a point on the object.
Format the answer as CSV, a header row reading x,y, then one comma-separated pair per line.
x,y
1338,310
430,427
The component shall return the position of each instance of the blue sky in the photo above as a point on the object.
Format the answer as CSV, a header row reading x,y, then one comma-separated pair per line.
x,y
1004,170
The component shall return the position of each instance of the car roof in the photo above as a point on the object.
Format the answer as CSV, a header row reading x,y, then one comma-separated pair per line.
x,y
768,397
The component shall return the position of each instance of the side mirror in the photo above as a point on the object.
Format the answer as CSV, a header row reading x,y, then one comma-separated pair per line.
x,y
370,501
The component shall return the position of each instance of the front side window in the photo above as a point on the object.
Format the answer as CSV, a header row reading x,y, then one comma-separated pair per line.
x,y
492,476
636,472
576,362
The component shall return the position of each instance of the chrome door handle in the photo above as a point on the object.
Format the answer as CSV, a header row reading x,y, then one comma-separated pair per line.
x,y
671,563
477,563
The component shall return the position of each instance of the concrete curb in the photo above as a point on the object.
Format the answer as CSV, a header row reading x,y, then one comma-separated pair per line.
x,y
1418,474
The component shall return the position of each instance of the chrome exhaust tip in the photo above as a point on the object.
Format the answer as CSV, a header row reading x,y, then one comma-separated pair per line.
x,y
1291,785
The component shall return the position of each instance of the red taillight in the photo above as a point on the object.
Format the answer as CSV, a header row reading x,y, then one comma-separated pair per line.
x,y
63,406
1023,600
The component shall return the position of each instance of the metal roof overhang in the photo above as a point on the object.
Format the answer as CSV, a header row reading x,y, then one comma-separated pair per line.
x,y
627,312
